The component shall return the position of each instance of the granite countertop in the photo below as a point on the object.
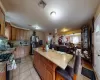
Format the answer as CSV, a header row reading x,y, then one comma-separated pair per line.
x,y
60,59
3,64
9,50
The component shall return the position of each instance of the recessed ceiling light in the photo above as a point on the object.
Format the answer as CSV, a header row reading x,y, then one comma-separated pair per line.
x,y
53,13
64,30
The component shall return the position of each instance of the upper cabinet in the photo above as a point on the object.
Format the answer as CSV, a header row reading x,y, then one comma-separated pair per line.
x,y
2,23
13,33
8,30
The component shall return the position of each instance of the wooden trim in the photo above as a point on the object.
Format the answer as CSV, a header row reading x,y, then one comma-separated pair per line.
x,y
2,7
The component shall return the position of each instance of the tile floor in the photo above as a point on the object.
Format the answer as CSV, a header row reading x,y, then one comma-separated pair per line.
x,y
25,70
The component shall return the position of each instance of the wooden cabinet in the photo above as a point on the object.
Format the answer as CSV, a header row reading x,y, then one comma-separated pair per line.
x,y
29,34
26,50
25,35
2,23
13,33
16,53
59,77
21,51
49,74
3,74
17,34
21,34
45,68
8,31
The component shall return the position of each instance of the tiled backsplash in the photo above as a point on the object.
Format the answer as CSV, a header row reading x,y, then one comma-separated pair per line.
x,y
20,43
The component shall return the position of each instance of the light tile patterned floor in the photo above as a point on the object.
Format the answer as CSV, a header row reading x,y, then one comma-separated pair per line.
x,y
25,70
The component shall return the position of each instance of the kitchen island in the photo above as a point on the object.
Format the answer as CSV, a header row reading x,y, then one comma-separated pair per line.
x,y
46,62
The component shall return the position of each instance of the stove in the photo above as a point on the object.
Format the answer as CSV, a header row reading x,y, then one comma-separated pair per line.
x,y
5,57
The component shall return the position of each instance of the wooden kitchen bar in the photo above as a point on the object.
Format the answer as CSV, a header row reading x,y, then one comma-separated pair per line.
x,y
46,62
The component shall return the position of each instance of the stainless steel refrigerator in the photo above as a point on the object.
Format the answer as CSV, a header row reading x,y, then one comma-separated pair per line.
x,y
34,43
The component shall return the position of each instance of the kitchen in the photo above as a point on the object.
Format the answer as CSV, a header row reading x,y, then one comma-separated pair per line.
x,y
42,40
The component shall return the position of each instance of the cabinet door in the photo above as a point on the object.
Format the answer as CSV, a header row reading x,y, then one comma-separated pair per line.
x,y
21,34
13,33
26,50
4,76
42,69
8,31
21,53
27,35
17,34
36,61
24,34
16,53
2,23
49,74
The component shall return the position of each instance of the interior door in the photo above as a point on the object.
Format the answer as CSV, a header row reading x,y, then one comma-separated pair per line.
x,y
97,46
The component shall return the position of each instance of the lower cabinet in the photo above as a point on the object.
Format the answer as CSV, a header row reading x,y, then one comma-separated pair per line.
x,y
3,74
21,51
43,67
49,74
26,50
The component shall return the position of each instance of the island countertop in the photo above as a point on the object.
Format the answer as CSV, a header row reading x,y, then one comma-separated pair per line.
x,y
61,59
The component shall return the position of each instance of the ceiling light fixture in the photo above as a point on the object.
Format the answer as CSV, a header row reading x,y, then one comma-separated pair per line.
x,y
53,13
36,27
64,30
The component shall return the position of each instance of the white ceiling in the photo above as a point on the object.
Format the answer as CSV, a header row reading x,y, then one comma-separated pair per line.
x,y
70,13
